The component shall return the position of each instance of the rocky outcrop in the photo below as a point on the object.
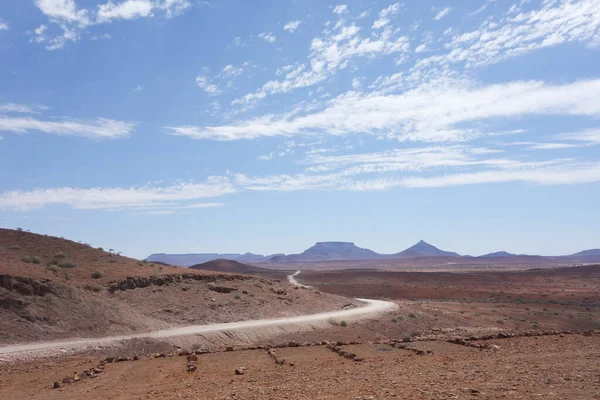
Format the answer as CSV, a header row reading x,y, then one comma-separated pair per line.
x,y
26,286
161,280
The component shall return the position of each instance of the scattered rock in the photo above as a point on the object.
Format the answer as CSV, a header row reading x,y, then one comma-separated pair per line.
x,y
240,371
56,385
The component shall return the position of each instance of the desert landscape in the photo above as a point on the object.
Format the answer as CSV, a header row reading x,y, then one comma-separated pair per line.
x,y
81,322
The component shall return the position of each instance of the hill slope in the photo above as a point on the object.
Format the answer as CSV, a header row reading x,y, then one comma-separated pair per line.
x,y
231,266
52,288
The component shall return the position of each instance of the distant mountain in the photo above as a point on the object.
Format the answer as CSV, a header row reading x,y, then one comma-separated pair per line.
x,y
498,254
424,249
324,251
222,265
587,253
250,257
186,260
340,251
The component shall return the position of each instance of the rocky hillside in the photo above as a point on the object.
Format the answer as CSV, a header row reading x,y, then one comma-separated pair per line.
x,y
55,288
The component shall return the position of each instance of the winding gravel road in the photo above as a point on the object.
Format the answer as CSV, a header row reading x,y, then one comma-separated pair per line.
x,y
293,281
372,307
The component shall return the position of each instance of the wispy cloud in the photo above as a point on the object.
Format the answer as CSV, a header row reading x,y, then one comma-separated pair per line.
x,y
136,89
21,108
3,25
204,83
292,26
384,15
267,37
340,9
328,54
72,21
427,114
99,128
442,13
169,197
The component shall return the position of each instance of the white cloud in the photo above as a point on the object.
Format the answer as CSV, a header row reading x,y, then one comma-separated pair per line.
x,y
442,13
423,114
330,53
384,16
119,198
101,37
230,71
267,37
99,128
567,174
136,89
340,9
555,23
21,108
129,9
203,83
73,21
357,83
592,136
291,26
553,172
266,157
3,26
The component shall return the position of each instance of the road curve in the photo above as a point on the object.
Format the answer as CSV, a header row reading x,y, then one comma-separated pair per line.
x,y
372,307
293,281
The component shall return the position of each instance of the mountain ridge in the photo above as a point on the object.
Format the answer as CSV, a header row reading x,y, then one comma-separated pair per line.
x,y
340,251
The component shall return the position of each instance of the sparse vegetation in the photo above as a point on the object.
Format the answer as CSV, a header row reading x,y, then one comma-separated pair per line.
x,y
412,315
97,275
15,247
52,268
333,322
67,264
343,324
31,260
237,297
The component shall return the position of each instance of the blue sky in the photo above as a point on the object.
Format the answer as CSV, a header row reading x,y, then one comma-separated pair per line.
x,y
233,126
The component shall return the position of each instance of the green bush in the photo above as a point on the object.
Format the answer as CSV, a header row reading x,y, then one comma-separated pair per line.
x,y
412,315
52,268
97,275
36,260
59,256
67,264
344,324
15,247
26,259
333,322
237,297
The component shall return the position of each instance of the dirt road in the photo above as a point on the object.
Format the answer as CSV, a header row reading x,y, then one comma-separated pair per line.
x,y
372,307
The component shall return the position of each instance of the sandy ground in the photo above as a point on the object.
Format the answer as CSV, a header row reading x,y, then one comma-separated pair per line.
x,y
548,367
